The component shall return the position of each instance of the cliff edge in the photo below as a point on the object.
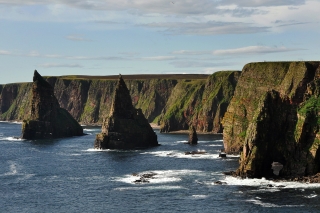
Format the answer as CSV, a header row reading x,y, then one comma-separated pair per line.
x,y
46,119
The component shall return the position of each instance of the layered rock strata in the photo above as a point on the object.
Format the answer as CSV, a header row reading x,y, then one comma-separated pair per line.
x,y
274,117
45,118
202,103
125,127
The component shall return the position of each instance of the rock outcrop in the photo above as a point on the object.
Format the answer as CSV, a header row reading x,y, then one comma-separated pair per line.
x,y
274,116
125,127
46,119
193,137
202,103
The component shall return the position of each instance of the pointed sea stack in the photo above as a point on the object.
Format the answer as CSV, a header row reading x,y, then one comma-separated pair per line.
x,y
125,127
46,119
193,138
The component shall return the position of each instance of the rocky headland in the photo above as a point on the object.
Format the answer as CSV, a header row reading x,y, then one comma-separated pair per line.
x,y
45,118
273,117
125,127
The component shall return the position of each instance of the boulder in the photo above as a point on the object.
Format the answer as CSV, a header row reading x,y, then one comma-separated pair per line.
x,y
46,119
125,127
193,138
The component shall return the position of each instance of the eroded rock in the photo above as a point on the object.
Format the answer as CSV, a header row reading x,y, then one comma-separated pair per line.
x,y
125,127
46,119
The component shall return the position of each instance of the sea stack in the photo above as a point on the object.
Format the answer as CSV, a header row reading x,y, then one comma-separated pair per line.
x,y
46,118
193,138
125,127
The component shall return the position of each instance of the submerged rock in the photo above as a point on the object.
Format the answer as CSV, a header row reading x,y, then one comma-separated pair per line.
x,y
125,127
193,138
46,119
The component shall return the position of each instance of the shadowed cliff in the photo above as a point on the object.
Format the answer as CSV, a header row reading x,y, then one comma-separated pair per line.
x,y
125,127
274,117
46,119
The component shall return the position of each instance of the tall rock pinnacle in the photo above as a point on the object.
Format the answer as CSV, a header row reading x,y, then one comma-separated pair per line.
x,y
47,119
125,127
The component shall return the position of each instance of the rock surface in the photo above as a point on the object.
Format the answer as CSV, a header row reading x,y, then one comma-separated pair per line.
x,y
125,127
193,138
45,118
274,117
202,103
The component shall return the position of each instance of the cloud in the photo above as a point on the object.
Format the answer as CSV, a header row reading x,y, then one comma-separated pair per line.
x,y
190,52
54,65
76,38
104,58
207,28
159,58
189,64
254,50
169,7
263,3
5,52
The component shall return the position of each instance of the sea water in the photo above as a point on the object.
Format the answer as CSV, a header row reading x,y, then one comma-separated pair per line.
x,y
68,175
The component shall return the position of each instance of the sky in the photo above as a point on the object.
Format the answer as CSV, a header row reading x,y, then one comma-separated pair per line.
x,y
108,37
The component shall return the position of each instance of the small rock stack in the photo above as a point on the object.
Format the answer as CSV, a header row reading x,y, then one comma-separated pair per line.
x,y
193,138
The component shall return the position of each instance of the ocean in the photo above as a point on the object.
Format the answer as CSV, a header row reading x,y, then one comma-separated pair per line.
x,y
68,175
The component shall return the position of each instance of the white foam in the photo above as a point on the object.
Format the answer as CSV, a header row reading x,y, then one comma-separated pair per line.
x,y
92,130
12,168
184,141
97,150
149,187
311,196
216,145
199,196
269,205
159,177
263,183
12,139
180,154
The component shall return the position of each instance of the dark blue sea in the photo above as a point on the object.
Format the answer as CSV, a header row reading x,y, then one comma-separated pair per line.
x,y
68,175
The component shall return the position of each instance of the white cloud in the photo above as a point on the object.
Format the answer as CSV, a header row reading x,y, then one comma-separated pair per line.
x,y
53,65
263,3
158,58
5,52
207,28
254,50
76,38
190,52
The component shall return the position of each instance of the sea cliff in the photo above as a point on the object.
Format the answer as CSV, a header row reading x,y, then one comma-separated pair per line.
x,y
200,103
88,99
274,117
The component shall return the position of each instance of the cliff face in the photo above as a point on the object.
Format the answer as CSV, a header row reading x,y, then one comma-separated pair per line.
x,y
89,100
273,117
14,100
46,119
125,127
201,103
174,101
